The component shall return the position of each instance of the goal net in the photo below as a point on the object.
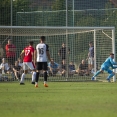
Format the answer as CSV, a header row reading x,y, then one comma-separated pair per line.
x,y
76,40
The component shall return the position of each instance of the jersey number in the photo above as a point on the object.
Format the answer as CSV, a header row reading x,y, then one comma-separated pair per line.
x,y
27,52
41,51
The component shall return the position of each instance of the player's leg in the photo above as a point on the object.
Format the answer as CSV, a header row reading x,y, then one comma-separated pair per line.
x,y
32,68
45,73
33,76
25,68
111,74
39,67
37,78
98,72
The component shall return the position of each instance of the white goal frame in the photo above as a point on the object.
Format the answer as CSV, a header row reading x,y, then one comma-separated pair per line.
x,y
94,29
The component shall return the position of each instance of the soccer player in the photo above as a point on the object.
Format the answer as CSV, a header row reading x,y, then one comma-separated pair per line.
x,y
28,58
109,62
40,55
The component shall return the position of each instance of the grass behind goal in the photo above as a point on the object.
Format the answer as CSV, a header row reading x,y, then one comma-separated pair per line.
x,y
60,99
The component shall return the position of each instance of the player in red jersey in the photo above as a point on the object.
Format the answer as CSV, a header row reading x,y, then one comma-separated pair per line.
x,y
28,57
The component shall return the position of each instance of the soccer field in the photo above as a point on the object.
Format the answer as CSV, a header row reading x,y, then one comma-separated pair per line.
x,y
60,99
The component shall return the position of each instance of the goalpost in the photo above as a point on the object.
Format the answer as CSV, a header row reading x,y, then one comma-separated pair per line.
x,y
76,39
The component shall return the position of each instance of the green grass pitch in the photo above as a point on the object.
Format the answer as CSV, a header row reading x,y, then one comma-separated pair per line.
x,y
60,99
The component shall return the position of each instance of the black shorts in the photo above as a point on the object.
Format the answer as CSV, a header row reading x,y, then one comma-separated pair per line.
x,y
42,66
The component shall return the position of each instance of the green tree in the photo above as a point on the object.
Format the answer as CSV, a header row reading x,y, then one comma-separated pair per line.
x,y
4,12
17,6
86,21
59,5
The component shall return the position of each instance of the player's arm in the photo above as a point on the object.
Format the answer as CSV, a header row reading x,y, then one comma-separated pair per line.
x,y
32,53
114,67
22,54
48,55
112,62
32,56
47,52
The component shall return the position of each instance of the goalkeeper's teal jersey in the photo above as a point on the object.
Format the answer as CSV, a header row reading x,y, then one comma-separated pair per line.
x,y
109,62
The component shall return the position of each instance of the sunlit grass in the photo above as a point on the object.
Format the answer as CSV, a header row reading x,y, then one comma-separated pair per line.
x,y
60,99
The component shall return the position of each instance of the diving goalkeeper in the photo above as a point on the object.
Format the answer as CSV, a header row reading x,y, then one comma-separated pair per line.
x,y
109,62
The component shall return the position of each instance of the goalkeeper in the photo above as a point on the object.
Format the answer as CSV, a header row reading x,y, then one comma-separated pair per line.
x,y
109,62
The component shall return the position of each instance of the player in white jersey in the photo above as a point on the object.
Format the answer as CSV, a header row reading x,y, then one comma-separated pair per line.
x,y
40,56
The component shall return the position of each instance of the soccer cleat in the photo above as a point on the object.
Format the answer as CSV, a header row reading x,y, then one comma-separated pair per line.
x,y
108,79
21,83
45,85
32,82
92,78
36,85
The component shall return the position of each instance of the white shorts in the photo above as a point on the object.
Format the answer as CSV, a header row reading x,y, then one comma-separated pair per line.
x,y
28,65
90,61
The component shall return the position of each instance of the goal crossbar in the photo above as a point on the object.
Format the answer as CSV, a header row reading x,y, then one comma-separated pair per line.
x,y
51,27
35,30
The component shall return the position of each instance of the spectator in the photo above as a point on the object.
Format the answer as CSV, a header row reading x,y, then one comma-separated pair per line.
x,y
4,67
1,53
53,67
17,70
83,69
62,51
91,57
10,52
20,62
71,68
